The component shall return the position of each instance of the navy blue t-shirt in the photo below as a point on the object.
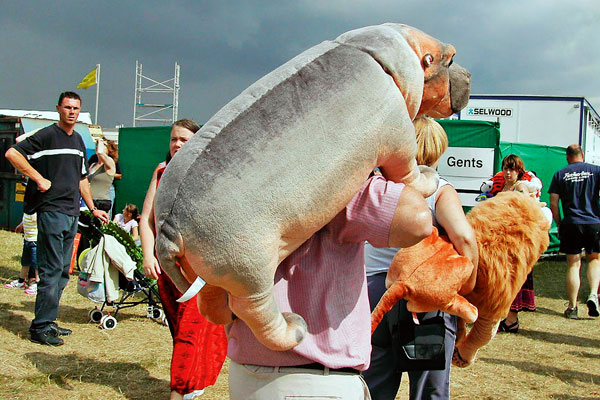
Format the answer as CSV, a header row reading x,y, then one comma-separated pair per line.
x,y
60,158
578,186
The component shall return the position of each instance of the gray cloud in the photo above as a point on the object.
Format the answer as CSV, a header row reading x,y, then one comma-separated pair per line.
x,y
511,47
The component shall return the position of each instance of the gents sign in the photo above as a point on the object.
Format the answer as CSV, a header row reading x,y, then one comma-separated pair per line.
x,y
469,162
467,168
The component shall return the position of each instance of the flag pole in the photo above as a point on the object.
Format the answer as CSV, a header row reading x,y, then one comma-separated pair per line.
x,y
97,92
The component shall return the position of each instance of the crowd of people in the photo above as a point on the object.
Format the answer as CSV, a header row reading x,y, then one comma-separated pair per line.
x,y
338,356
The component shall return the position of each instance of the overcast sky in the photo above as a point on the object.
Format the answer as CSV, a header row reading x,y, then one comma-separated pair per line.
x,y
542,47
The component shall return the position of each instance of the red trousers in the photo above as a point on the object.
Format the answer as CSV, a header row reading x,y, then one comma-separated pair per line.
x,y
199,347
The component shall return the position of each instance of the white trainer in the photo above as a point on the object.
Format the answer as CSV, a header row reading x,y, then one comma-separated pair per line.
x,y
15,285
592,303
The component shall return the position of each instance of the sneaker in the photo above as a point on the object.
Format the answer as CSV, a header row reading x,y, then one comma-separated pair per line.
x,y
194,395
571,313
58,331
592,303
15,285
47,337
32,289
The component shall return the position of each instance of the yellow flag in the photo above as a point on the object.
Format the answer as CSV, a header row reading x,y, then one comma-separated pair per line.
x,y
89,80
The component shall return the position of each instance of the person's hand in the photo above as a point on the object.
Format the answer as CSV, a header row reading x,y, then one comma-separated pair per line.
x,y
151,268
101,215
44,185
19,228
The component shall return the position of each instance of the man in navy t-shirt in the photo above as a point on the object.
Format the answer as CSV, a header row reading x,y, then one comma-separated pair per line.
x,y
577,186
54,160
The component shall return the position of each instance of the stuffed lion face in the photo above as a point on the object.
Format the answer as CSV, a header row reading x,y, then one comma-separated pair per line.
x,y
512,233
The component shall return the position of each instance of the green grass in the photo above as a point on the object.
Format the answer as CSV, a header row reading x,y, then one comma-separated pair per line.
x,y
550,358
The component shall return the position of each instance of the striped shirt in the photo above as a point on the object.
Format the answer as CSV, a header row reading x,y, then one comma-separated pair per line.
x,y
60,158
30,230
324,281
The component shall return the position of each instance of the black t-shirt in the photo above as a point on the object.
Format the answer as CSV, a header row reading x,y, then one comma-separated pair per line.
x,y
577,186
60,158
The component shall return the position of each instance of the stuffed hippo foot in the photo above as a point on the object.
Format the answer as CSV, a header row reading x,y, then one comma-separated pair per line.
x,y
273,329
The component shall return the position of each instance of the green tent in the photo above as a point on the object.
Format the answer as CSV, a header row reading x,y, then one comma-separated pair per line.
x,y
141,149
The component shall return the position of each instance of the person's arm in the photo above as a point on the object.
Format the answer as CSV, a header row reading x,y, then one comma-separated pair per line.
x,y
86,194
135,233
109,163
450,215
146,229
20,162
554,198
412,219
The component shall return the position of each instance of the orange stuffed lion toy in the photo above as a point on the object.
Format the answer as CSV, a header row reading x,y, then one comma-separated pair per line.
x,y
511,232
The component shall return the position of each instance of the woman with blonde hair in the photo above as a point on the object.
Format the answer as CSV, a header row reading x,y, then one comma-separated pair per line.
x,y
385,373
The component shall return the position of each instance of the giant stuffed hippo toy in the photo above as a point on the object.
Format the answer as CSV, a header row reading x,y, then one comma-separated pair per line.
x,y
279,161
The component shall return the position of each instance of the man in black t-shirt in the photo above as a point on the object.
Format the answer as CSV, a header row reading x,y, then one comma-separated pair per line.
x,y
54,160
577,186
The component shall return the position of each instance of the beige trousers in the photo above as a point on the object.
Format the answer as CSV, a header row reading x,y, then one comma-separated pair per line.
x,y
256,382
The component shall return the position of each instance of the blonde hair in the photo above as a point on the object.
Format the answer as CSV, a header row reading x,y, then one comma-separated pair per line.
x,y
432,140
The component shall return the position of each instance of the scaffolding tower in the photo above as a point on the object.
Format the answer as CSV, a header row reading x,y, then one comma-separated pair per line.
x,y
155,92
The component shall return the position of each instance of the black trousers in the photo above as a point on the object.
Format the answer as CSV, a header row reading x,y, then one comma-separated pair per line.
x,y
56,232
384,375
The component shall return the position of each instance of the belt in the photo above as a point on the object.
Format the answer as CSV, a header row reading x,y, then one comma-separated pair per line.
x,y
321,367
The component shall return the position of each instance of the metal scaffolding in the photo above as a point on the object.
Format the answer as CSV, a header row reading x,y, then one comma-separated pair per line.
x,y
155,91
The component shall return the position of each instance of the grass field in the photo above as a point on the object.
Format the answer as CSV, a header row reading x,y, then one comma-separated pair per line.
x,y
550,358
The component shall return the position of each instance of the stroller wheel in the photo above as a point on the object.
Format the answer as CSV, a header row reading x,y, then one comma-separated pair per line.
x,y
109,322
157,314
95,315
164,320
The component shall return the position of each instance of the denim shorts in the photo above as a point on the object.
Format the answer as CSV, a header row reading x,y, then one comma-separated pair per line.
x,y
29,255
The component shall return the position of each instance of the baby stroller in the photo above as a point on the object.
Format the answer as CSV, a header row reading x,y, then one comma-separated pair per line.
x,y
107,267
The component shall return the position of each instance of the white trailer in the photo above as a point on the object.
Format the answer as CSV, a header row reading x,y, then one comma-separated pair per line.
x,y
534,120
544,120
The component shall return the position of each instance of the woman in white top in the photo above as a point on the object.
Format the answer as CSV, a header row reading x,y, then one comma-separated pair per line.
x,y
128,221
384,375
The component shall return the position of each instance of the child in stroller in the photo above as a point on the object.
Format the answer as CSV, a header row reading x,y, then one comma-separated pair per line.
x,y
108,263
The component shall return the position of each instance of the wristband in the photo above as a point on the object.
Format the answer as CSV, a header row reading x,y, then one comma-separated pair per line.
x,y
94,209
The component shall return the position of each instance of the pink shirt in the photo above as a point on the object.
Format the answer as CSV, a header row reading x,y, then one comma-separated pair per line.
x,y
324,281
